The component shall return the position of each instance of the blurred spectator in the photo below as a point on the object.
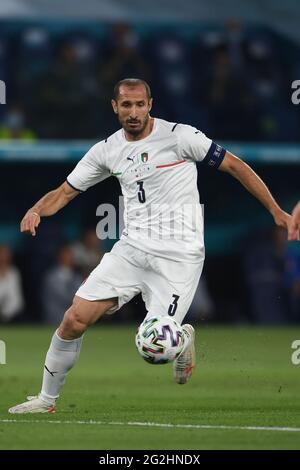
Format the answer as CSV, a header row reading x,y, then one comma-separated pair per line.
x,y
171,59
202,307
36,49
230,101
123,57
87,252
11,296
66,103
14,126
236,38
265,265
60,285
233,81
292,280
232,39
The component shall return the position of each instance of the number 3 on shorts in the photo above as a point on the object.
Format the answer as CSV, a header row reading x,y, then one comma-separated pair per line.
x,y
173,306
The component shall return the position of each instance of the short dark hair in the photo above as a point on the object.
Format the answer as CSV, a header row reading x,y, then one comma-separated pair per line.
x,y
132,82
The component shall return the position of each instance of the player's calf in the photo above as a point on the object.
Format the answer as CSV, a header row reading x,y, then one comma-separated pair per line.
x,y
63,353
81,315
73,325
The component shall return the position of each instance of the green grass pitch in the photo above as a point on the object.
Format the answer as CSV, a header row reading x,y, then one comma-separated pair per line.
x,y
244,377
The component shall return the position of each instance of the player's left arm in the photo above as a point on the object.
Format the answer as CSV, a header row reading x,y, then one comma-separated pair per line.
x,y
254,184
294,225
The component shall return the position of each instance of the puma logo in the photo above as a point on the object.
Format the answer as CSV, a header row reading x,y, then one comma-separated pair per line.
x,y
51,373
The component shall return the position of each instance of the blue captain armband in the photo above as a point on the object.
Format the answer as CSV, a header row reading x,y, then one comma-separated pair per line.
x,y
214,156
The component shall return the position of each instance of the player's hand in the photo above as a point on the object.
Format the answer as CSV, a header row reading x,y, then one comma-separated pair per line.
x,y
30,222
282,219
294,224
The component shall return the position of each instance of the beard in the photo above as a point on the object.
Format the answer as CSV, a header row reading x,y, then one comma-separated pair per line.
x,y
134,127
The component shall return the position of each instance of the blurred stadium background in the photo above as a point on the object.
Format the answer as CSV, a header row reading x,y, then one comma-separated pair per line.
x,y
227,69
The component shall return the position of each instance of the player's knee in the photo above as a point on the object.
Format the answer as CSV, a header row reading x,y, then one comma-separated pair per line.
x,y
73,324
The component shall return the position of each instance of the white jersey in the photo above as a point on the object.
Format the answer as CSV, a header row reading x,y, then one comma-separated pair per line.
x,y
158,177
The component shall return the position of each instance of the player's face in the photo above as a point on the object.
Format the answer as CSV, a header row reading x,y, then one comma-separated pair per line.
x,y
133,107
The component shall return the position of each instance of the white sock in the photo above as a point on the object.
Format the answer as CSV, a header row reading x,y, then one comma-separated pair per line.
x,y
61,357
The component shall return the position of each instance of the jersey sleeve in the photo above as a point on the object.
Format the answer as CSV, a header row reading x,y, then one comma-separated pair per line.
x,y
194,145
90,170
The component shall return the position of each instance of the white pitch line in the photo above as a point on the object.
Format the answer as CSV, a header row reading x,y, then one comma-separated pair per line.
x,y
157,425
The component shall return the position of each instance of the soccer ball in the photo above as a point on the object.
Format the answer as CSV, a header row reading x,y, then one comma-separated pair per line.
x,y
160,340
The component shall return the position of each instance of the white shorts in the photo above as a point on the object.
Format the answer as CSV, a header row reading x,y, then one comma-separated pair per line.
x,y
167,286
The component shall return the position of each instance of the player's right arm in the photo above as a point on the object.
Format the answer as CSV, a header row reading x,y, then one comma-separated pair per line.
x,y
90,170
48,205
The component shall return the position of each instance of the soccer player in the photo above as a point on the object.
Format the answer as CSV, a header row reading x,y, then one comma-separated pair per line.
x,y
294,224
161,250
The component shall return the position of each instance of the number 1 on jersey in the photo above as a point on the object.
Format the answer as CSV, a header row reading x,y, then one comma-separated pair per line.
x,y
141,192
